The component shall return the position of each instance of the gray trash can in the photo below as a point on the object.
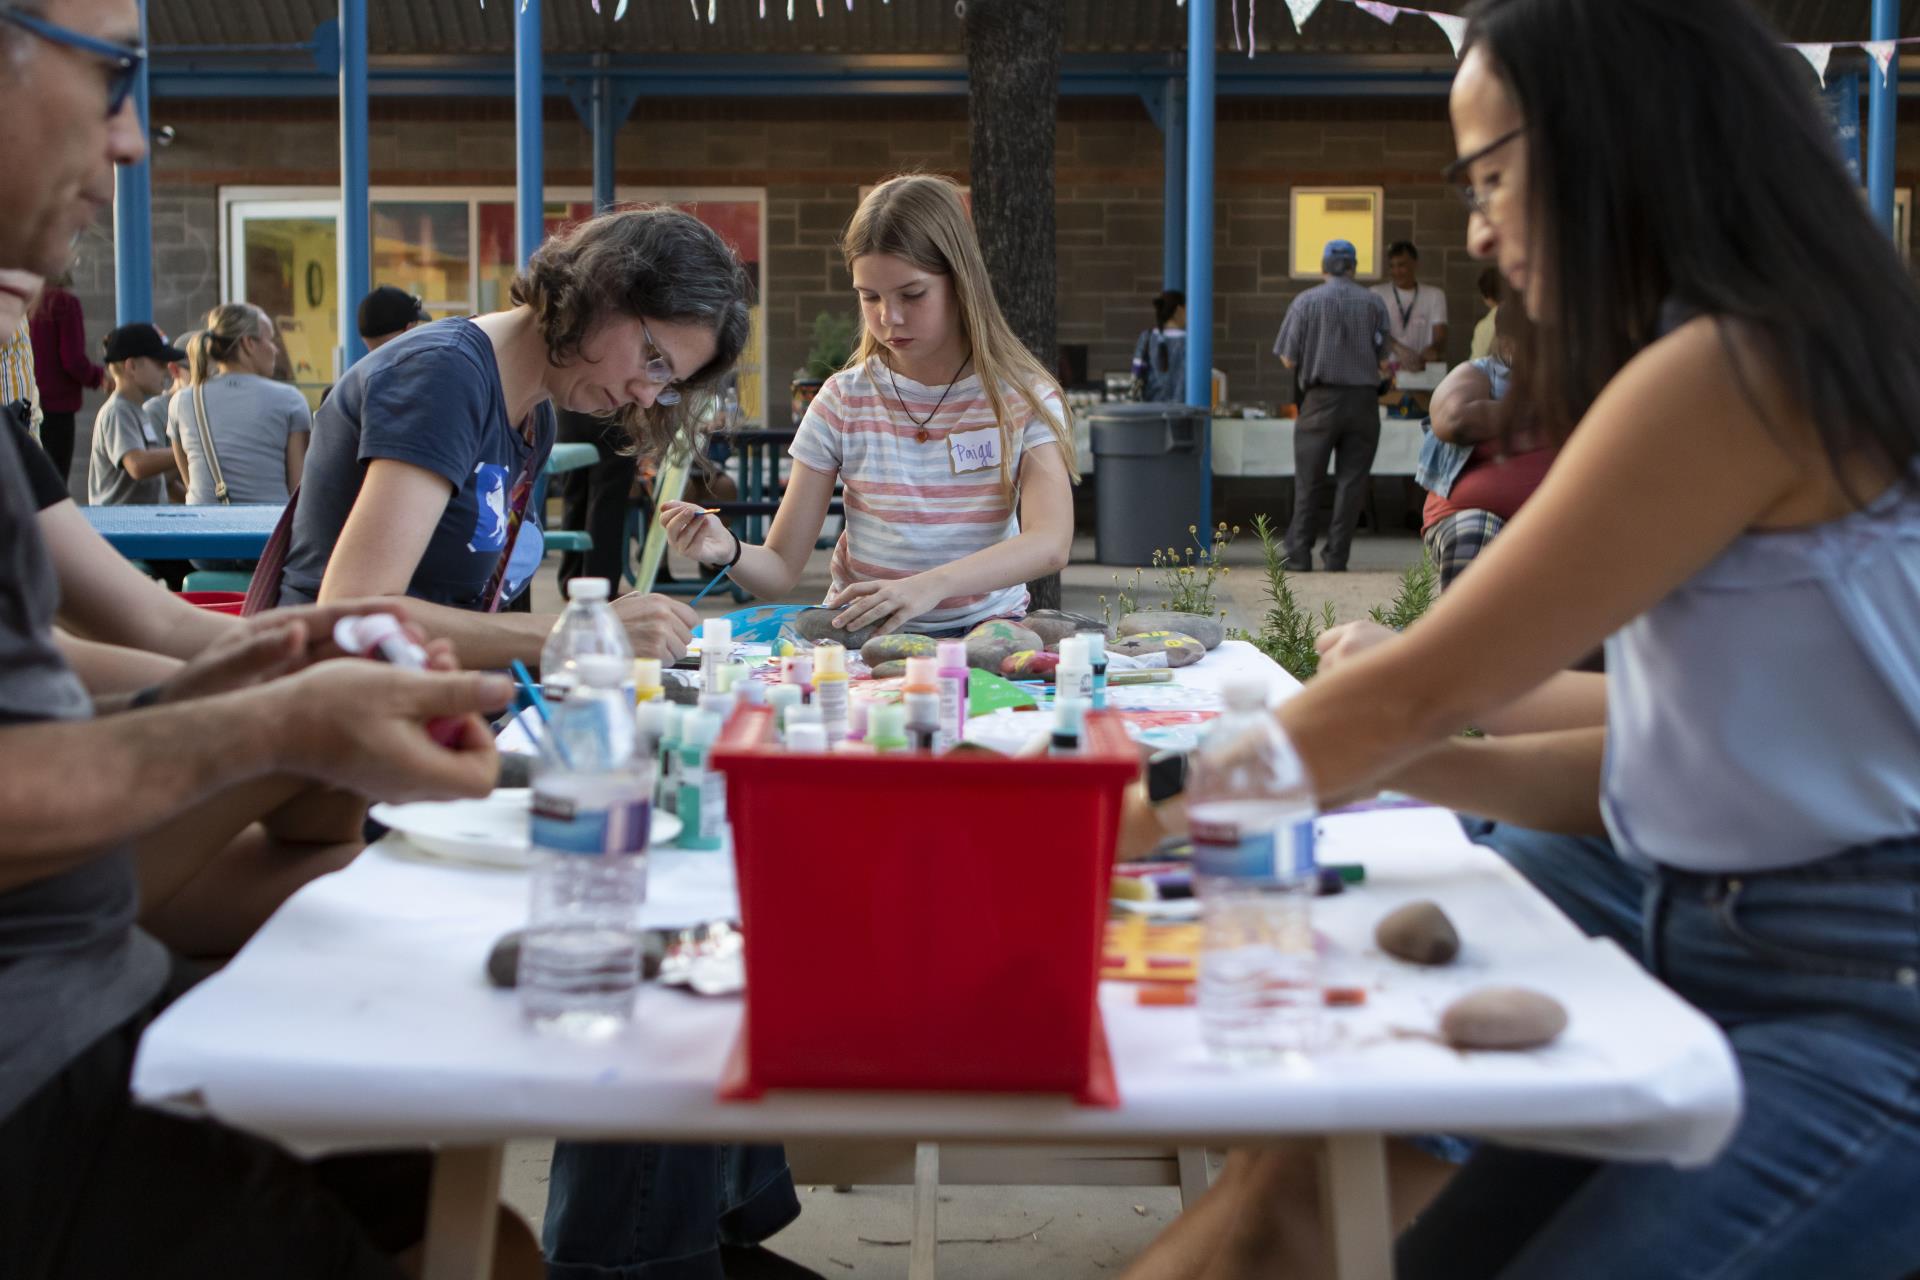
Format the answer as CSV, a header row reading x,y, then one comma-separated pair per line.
x,y
1147,479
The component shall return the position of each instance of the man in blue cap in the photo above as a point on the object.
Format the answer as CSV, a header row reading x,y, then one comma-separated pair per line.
x,y
1334,339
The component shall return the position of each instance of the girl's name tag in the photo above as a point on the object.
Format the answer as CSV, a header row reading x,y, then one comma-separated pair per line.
x,y
974,450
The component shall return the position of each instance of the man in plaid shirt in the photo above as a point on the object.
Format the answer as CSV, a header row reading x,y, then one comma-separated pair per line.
x,y
1334,339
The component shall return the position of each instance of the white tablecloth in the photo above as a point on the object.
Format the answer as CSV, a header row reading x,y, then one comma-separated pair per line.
x,y
360,1016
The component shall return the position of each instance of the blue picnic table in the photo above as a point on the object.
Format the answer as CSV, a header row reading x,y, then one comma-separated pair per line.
x,y
186,533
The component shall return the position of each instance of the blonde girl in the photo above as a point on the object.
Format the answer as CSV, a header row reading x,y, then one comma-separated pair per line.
x,y
258,427
952,444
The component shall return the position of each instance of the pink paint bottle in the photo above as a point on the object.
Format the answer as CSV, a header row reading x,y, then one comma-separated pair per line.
x,y
952,680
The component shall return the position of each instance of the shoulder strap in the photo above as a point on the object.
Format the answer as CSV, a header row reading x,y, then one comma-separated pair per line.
x,y
206,443
263,592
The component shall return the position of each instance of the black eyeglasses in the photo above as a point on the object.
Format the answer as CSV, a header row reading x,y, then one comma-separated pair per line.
x,y
1471,196
123,61
659,371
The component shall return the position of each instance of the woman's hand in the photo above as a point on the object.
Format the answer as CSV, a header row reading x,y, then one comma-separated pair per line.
x,y
695,534
887,605
1349,640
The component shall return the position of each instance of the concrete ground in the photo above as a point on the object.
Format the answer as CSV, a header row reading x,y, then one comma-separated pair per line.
x,y
1010,1233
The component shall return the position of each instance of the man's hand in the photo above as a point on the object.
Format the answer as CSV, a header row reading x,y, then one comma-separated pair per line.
x,y
657,627
362,726
1348,640
888,605
268,646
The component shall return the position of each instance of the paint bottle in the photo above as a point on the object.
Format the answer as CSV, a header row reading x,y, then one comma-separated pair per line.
x,y
830,690
1097,659
887,727
1069,726
734,678
750,693
952,676
921,692
670,727
1073,678
807,737
857,709
649,722
703,792
716,651
717,705
783,698
797,669
646,680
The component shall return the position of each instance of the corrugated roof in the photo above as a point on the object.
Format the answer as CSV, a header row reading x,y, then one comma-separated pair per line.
x,y
429,27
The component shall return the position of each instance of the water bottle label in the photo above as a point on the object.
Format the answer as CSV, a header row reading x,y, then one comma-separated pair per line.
x,y
562,826
1227,849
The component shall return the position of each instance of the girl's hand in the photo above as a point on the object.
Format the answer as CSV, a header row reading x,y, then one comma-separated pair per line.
x,y
888,605
695,534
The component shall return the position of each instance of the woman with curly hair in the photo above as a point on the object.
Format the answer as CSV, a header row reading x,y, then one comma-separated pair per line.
x,y
425,453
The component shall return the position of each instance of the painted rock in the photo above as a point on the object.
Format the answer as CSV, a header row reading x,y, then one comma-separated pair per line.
x,y
1208,631
992,643
816,626
1053,625
1419,933
503,962
1030,664
1181,650
889,670
1502,1018
897,647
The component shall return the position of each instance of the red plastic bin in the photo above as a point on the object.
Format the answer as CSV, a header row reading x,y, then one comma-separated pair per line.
x,y
216,601
924,924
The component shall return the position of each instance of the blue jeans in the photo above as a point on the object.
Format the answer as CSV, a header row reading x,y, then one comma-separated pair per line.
x,y
654,1211
1814,975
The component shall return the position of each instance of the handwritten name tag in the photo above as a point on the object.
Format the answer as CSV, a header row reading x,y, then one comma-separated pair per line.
x,y
974,450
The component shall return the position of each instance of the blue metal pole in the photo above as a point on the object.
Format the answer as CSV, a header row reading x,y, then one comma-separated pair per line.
x,y
133,219
1200,60
529,105
1174,197
356,231
1883,108
604,130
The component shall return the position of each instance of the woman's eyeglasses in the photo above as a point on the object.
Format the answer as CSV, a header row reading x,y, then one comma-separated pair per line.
x,y
659,372
122,61
1475,199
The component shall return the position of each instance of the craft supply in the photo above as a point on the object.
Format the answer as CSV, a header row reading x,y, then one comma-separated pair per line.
x,y
783,698
646,680
716,651
1166,994
750,693
921,692
1502,1018
717,705
649,722
857,718
1140,950
669,788
830,690
1121,678
380,636
1069,722
1419,933
1074,676
797,669
1097,660
951,674
540,727
887,727
1343,997
712,582
703,795
807,737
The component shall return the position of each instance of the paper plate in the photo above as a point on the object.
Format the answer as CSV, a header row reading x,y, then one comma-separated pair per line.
x,y
489,833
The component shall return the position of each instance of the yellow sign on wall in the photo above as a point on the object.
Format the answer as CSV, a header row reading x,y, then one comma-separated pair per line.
x,y
1321,214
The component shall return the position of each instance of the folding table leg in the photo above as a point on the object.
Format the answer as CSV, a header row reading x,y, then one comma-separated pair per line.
x,y
926,1211
1354,1205
463,1214
1193,1175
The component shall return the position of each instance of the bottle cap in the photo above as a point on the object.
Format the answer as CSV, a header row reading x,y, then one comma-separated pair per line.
x,y
886,723
602,670
588,589
784,697
701,729
733,675
1245,693
1073,652
952,655
646,673
673,718
923,673
829,660
797,669
808,714
650,718
807,737
718,705
1096,643
716,639
752,693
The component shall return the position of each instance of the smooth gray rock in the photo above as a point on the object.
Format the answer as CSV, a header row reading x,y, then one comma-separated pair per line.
x,y
897,647
816,626
1055,625
1181,650
1208,631
992,643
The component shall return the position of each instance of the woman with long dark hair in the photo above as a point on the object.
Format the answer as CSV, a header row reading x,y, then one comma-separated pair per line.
x,y
1726,344
1160,356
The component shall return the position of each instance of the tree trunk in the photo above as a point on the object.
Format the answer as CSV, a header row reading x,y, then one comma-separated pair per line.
x,y
1013,94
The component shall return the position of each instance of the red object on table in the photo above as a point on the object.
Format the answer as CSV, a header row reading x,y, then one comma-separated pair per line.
x,y
216,601
921,923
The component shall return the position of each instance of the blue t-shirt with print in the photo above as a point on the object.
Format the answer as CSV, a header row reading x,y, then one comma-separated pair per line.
x,y
432,398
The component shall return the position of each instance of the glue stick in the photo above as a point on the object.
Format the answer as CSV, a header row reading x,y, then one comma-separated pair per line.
x,y
922,694
830,690
716,651
887,727
646,680
1073,678
953,694
783,698
1097,659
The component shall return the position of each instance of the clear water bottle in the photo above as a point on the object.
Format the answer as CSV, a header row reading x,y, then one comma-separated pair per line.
x,y
1251,816
587,627
592,806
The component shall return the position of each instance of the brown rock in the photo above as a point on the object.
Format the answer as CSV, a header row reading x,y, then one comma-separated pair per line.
x,y
1502,1018
992,643
1419,933
1055,625
1181,650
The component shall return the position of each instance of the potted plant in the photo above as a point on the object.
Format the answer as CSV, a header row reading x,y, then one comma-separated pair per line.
x,y
830,349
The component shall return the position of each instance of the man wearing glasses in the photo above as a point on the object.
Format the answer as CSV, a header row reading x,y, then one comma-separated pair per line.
x,y
90,1183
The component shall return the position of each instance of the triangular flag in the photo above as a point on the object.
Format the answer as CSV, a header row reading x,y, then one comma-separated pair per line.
x,y
1236,22
1455,27
620,10
1250,8
1301,11
1882,52
1385,12
1817,54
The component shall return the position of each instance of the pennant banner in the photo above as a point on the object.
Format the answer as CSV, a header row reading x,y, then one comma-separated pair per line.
x,y
1384,12
1301,11
1817,54
1455,28
1881,51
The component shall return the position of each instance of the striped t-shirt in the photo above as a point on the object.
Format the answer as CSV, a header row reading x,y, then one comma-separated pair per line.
x,y
907,509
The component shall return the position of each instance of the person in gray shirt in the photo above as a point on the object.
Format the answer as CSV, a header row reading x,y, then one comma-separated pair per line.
x,y
258,427
129,461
